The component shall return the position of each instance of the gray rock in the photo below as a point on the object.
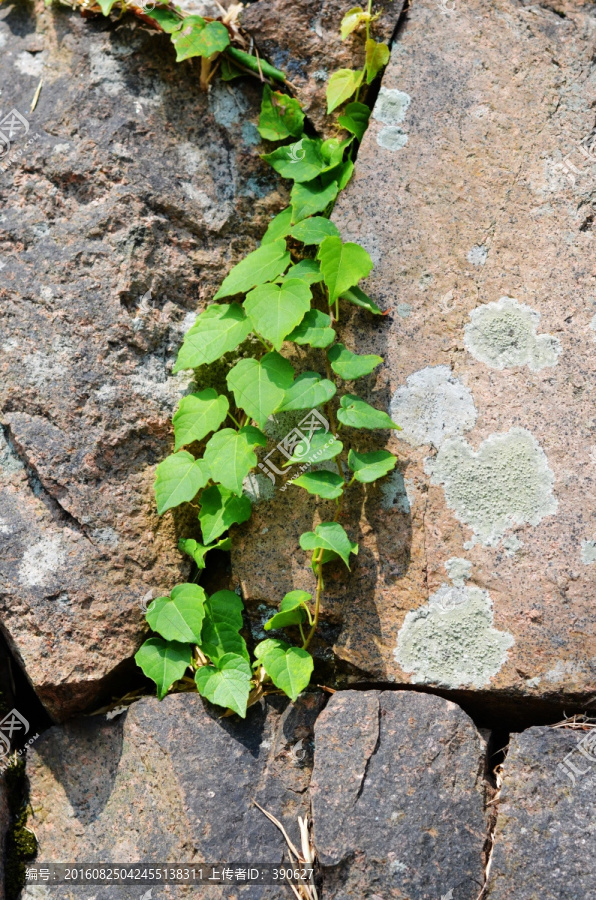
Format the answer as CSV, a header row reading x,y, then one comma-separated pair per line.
x,y
4,825
545,838
398,797
172,781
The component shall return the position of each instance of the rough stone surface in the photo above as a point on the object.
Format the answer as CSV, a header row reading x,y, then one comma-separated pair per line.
x,y
4,825
484,259
545,840
398,797
173,782
133,192
303,39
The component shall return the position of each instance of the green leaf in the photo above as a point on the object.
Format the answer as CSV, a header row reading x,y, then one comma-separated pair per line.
x,y
342,265
355,119
165,18
225,607
322,446
357,296
178,478
197,415
368,467
228,685
289,668
329,536
221,508
278,227
358,414
262,265
217,331
180,616
314,230
281,116
307,270
350,365
315,330
352,20
230,455
219,638
309,390
328,485
314,197
291,611
259,387
198,552
341,86
229,70
197,37
275,310
164,662
377,57
258,65
300,161
106,6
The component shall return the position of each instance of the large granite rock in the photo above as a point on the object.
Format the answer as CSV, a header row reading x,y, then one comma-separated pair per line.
x,y
477,558
172,782
303,38
545,837
121,206
398,796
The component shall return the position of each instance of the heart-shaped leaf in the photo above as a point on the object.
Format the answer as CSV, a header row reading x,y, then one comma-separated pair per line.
x,y
178,478
350,366
314,230
225,607
291,610
219,638
164,662
279,226
167,19
221,508
275,309
340,87
217,331
196,37
358,414
315,330
227,685
289,668
342,265
260,386
357,296
281,116
313,197
230,455
180,616
352,20
355,119
322,446
300,161
309,390
377,57
328,485
262,265
368,467
197,415
307,270
198,552
329,536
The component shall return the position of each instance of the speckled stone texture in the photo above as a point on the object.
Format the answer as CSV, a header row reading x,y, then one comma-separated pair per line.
x,y
545,840
398,797
484,260
303,39
172,782
4,825
133,181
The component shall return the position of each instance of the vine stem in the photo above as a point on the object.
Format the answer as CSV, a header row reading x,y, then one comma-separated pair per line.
x,y
320,586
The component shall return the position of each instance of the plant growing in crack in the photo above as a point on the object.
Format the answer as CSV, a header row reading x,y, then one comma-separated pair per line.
x,y
287,293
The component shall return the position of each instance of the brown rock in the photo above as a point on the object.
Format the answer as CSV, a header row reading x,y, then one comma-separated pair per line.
x,y
483,250
398,797
545,838
303,39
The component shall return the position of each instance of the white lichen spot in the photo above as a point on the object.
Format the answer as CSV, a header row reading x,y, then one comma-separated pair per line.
x,y
589,552
503,334
451,641
593,324
392,138
394,493
432,406
2,39
404,310
41,560
258,487
458,570
512,544
29,64
391,106
105,70
478,255
5,528
506,483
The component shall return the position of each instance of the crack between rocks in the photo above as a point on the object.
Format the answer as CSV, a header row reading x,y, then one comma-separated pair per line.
x,y
60,515
375,749
492,805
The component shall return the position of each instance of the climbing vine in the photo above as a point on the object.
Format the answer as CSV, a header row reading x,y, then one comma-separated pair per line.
x,y
289,291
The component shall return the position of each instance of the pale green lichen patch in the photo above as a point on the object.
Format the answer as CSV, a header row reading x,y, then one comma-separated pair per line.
x,y
458,570
391,106
432,405
503,334
451,641
588,552
506,483
392,138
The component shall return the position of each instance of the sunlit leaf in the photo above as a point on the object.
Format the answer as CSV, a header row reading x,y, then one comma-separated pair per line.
x,y
218,330
309,390
197,37
368,467
289,668
221,508
358,414
197,415
281,116
350,366
259,387
315,330
262,265
342,84
178,478
328,485
329,536
164,662
179,617
228,685
230,455
342,265
276,309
